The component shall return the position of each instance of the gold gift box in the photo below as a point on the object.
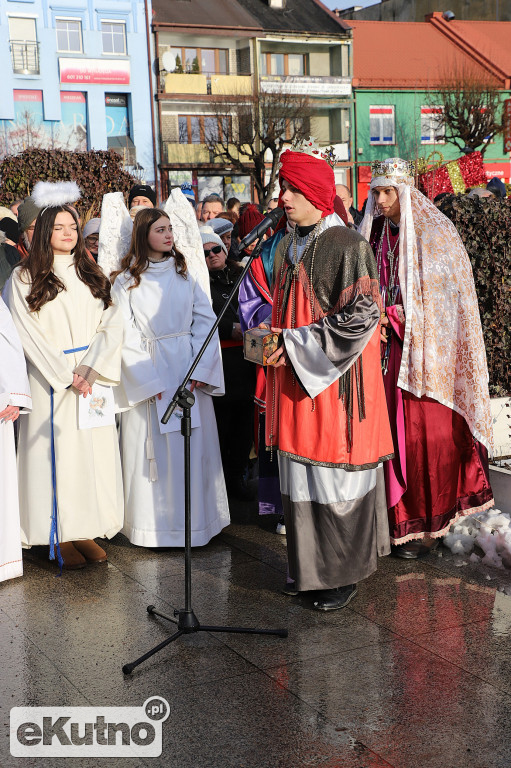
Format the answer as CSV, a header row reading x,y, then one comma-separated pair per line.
x,y
259,344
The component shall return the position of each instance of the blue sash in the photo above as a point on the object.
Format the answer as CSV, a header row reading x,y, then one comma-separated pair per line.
x,y
54,534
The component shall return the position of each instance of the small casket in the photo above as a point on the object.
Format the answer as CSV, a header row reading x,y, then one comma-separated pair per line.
x,y
259,344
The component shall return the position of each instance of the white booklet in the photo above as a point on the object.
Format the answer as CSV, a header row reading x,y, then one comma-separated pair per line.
x,y
97,409
174,423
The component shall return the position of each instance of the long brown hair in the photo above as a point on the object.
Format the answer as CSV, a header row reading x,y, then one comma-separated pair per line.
x,y
136,260
45,285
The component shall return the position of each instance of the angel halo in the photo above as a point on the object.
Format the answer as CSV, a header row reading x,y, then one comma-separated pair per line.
x,y
53,194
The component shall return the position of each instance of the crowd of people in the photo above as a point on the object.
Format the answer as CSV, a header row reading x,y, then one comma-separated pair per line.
x,y
370,425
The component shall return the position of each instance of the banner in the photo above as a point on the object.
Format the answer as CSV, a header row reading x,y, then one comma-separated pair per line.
x,y
95,71
29,129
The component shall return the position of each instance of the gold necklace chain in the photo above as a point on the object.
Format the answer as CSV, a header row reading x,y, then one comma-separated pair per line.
x,y
312,237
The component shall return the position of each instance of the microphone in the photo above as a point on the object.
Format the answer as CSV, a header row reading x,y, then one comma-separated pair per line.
x,y
269,221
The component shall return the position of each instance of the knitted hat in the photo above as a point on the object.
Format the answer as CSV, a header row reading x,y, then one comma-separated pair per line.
x,y
10,227
142,190
249,219
187,191
7,212
91,228
221,226
27,213
208,235
497,187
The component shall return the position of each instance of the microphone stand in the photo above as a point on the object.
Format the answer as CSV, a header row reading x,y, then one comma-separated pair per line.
x,y
185,619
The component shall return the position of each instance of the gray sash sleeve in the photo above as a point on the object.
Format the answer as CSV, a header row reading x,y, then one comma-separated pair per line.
x,y
322,352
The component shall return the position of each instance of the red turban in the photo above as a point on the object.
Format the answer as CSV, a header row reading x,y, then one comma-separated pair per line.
x,y
340,209
311,176
249,219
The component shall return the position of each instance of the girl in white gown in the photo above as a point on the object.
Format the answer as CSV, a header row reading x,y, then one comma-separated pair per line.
x,y
69,477
166,318
14,394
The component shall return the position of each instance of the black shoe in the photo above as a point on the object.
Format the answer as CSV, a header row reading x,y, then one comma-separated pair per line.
x,y
413,550
333,599
290,589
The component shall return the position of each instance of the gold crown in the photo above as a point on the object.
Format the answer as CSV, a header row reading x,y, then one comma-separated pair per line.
x,y
391,168
309,147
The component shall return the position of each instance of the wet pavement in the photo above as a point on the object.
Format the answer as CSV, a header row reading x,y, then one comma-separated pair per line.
x,y
415,673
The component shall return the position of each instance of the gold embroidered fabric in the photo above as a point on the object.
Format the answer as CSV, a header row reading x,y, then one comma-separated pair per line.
x,y
443,349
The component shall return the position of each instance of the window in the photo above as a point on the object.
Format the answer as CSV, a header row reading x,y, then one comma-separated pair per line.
x,y
203,129
246,131
22,29
295,64
114,37
276,63
283,64
69,35
345,60
208,61
116,112
432,128
293,126
381,125
339,125
286,128
191,60
23,45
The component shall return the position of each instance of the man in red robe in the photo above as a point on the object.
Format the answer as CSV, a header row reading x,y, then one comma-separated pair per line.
x,y
326,412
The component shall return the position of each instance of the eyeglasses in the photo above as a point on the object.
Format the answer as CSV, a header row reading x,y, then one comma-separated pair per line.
x,y
216,249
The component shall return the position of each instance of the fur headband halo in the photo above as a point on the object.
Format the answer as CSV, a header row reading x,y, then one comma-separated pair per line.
x,y
49,194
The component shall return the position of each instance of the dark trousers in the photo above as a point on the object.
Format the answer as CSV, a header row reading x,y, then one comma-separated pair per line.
x,y
235,422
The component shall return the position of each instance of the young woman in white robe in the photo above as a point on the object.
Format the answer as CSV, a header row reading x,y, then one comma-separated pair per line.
x,y
14,396
167,316
72,336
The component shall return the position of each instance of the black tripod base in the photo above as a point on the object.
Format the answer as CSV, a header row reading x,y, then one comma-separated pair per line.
x,y
187,623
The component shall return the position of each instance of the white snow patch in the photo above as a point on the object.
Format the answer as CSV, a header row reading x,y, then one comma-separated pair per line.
x,y
490,531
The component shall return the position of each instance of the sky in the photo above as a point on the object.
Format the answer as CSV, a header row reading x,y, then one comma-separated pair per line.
x,y
348,3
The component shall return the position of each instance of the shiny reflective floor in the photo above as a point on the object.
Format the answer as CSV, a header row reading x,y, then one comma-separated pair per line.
x,y
415,673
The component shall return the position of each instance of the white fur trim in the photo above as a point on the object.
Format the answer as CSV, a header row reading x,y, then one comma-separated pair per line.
x,y
49,194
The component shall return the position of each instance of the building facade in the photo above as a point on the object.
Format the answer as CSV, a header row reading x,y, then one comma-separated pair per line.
x,y
233,49
76,77
396,106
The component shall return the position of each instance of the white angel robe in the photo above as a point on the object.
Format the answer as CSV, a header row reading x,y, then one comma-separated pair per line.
x,y
166,319
14,390
87,461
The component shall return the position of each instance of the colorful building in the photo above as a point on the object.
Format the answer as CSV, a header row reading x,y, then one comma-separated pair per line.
x,y
397,67
233,48
76,76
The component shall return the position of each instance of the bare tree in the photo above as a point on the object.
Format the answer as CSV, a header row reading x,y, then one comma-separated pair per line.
x,y
471,113
26,133
248,133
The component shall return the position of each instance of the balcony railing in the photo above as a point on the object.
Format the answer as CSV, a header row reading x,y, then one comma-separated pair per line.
x,y
24,57
310,85
194,154
206,83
